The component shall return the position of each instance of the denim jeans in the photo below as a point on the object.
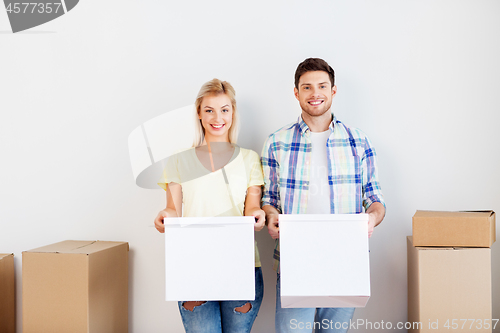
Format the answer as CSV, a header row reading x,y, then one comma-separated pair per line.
x,y
297,320
221,316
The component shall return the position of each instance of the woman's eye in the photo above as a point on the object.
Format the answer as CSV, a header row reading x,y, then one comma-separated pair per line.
x,y
225,110
208,111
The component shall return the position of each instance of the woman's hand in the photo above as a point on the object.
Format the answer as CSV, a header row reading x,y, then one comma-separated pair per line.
x,y
163,214
159,221
260,219
252,207
174,206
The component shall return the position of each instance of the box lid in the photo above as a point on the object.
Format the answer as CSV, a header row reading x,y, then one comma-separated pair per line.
x,y
3,255
437,248
460,214
78,247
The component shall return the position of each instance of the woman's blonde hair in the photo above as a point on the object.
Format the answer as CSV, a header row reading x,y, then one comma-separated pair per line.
x,y
215,87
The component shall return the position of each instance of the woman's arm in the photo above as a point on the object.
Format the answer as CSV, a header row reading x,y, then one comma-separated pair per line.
x,y
252,207
174,206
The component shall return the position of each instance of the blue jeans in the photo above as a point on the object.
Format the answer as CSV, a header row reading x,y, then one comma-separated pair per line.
x,y
297,320
221,316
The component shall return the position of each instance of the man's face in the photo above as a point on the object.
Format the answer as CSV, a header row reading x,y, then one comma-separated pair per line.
x,y
315,93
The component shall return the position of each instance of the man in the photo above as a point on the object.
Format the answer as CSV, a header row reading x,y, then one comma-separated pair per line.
x,y
317,165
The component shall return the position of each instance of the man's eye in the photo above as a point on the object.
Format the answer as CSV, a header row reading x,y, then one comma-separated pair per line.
x,y
322,87
306,88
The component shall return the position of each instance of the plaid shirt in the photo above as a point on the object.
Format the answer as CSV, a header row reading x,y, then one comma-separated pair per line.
x,y
352,170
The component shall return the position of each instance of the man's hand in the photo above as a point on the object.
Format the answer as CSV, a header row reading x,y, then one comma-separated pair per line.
x,y
272,216
273,226
376,213
371,224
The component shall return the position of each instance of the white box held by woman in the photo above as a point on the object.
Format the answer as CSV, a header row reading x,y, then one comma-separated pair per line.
x,y
209,258
324,260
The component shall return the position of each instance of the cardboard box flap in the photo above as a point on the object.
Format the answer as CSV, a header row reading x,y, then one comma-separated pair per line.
x,y
99,246
438,248
460,214
78,247
3,255
410,239
481,212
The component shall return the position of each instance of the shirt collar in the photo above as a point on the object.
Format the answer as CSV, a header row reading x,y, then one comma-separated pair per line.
x,y
304,129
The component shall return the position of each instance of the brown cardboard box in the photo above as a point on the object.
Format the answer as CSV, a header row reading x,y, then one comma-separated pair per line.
x,y
7,294
464,229
448,285
76,286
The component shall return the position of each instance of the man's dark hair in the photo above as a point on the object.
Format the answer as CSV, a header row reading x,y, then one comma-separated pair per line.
x,y
312,65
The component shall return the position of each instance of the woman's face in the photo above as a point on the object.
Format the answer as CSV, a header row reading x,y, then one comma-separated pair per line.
x,y
216,115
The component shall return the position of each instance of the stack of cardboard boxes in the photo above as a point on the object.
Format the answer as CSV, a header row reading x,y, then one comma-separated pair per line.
x,y
449,271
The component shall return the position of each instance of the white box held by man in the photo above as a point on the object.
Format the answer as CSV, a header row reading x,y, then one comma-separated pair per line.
x,y
209,258
324,260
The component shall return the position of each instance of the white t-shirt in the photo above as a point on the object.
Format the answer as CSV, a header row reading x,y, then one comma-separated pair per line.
x,y
319,191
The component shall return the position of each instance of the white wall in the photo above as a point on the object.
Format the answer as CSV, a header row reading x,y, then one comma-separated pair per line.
x,y
421,78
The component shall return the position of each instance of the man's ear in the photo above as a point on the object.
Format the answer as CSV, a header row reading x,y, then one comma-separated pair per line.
x,y
296,93
334,91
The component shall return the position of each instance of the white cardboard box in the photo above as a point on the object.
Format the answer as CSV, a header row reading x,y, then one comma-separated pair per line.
x,y
324,260
208,259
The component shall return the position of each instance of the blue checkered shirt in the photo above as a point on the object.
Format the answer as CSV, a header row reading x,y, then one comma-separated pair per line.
x,y
352,170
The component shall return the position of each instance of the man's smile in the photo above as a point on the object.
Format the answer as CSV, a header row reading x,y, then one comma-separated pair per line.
x,y
315,102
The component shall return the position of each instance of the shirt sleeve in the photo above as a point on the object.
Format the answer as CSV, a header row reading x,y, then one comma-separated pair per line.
x,y
372,192
170,172
256,177
270,167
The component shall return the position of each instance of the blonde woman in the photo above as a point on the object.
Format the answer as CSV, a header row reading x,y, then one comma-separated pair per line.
x,y
216,178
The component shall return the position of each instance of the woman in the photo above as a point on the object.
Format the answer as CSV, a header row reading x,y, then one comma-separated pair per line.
x,y
216,178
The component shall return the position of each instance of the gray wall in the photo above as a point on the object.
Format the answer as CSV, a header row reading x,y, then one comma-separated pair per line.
x,y
419,77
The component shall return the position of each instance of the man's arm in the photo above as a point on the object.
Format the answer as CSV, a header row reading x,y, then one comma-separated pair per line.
x,y
376,213
373,199
271,197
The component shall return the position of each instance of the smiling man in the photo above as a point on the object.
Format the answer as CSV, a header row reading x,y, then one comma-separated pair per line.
x,y
318,165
